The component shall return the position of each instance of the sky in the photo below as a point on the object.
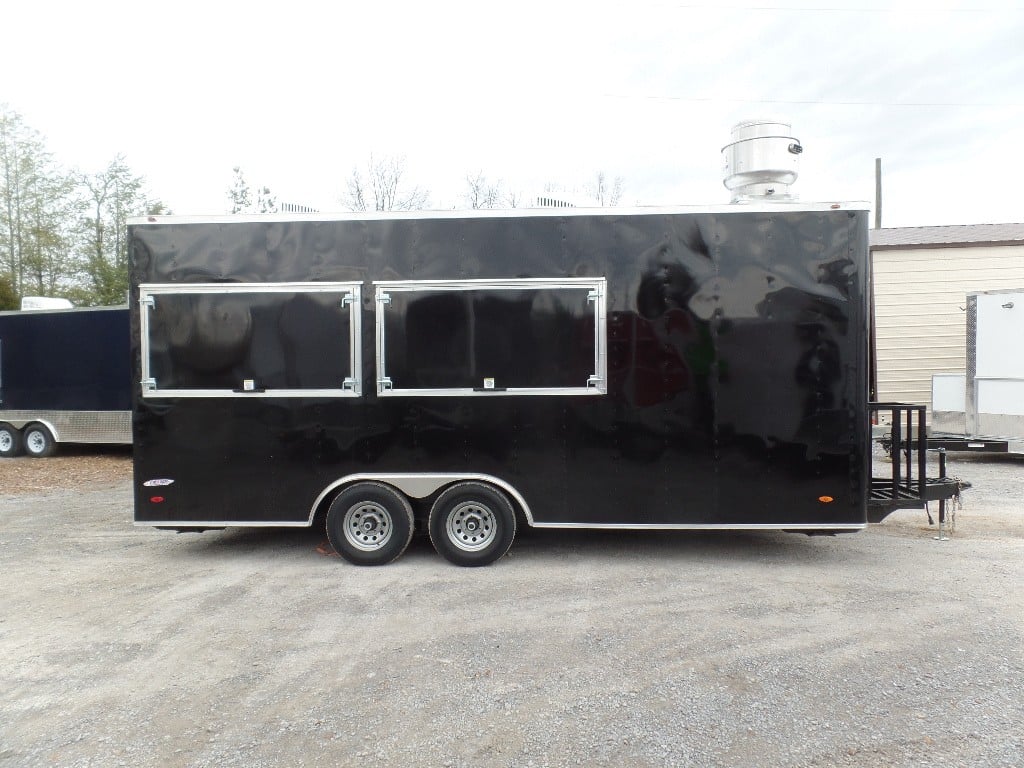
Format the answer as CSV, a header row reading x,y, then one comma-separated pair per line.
x,y
531,94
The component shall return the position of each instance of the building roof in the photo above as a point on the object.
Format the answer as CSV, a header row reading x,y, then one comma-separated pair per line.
x,y
946,236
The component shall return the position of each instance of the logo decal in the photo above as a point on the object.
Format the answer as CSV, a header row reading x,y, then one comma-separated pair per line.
x,y
157,482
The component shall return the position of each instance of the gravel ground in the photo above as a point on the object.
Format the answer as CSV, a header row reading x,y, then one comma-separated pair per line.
x,y
130,646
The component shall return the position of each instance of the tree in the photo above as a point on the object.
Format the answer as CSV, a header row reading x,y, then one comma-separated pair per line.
x,y
63,233
50,210
38,211
239,192
382,187
265,201
604,193
8,298
241,196
112,196
481,193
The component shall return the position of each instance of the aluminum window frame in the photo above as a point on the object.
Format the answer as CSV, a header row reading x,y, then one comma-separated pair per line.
x,y
349,292
597,288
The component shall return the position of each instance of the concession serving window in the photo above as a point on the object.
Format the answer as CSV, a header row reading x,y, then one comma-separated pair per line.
x,y
529,336
246,339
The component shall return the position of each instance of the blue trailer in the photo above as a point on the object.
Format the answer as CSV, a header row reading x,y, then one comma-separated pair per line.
x,y
65,377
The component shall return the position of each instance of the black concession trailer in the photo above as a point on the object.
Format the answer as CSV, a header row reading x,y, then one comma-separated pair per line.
x,y
65,377
462,373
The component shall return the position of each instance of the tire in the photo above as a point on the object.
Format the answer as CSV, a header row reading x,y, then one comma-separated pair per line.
x,y
10,442
370,524
38,441
472,524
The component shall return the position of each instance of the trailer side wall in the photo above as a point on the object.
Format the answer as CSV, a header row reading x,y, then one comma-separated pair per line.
x,y
736,366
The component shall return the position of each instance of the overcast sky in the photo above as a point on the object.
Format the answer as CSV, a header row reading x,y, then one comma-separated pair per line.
x,y
299,93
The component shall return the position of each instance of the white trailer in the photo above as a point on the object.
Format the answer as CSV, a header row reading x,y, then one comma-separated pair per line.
x,y
982,410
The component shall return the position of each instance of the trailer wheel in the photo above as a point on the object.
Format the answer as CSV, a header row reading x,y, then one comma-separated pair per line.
x,y
472,524
370,524
38,441
10,441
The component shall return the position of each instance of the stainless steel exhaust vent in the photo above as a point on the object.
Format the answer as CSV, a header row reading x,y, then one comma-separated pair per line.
x,y
761,161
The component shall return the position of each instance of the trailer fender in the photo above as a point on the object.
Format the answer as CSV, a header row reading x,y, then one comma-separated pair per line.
x,y
31,418
54,432
419,485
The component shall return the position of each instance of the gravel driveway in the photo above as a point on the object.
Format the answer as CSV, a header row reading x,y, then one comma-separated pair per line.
x,y
252,647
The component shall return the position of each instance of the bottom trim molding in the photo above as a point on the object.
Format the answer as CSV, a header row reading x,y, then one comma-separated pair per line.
x,y
582,526
710,526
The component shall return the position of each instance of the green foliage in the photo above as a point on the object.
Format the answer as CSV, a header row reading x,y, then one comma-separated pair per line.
x,y
239,192
113,195
63,233
8,298
241,197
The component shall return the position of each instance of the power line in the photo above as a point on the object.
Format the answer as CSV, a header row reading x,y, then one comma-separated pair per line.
x,y
813,102
837,9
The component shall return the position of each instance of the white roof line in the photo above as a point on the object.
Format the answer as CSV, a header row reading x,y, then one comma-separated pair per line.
x,y
271,218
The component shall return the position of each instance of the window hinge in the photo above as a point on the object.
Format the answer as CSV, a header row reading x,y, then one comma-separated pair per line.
x,y
594,381
384,383
348,298
147,301
594,294
383,298
149,385
351,383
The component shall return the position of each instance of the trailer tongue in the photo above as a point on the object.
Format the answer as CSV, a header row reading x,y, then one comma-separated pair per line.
x,y
906,485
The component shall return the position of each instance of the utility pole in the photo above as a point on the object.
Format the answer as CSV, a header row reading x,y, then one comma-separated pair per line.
x,y
878,193
872,341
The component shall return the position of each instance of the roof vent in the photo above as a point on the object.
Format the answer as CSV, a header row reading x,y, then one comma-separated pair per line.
x,y
761,161
44,302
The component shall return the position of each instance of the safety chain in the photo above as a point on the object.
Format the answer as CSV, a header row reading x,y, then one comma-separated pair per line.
x,y
956,503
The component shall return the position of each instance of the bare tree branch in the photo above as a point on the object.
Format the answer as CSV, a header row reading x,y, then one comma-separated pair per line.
x,y
383,180
481,193
605,193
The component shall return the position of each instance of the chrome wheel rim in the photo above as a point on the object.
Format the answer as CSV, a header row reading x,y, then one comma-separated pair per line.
x,y
368,526
35,442
471,526
6,441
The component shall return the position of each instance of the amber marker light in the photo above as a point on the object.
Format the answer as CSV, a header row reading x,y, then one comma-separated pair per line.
x,y
825,499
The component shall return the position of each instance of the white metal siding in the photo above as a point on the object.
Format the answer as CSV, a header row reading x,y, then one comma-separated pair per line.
x,y
920,326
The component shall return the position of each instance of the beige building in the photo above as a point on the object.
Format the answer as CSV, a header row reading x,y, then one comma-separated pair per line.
x,y
922,276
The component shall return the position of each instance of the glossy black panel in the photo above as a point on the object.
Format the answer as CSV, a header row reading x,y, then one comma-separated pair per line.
x,y
69,360
278,340
737,368
517,338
